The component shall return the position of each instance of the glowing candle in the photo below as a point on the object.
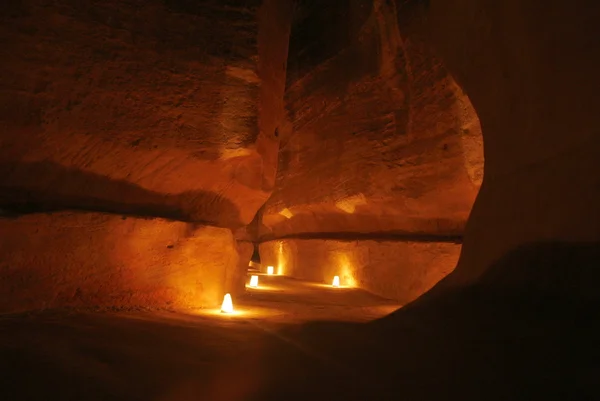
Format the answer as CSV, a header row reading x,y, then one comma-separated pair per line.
x,y
270,270
254,281
336,282
227,306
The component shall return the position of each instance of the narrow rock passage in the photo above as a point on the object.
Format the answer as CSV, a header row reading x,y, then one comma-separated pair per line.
x,y
164,355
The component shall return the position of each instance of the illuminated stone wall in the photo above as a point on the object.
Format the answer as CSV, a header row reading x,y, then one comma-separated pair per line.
x,y
165,110
149,107
380,139
409,268
381,142
93,259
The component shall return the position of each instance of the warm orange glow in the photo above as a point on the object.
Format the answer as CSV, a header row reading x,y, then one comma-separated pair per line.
x,y
349,204
254,281
270,270
227,306
346,264
280,264
287,213
336,282
240,312
266,288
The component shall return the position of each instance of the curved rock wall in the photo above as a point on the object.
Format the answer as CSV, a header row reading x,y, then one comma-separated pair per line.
x,y
531,70
149,109
381,141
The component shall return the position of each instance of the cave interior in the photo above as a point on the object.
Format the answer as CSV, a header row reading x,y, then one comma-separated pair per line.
x,y
401,203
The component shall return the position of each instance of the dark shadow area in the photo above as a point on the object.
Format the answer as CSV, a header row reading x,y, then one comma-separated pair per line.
x,y
542,273
370,236
51,187
319,30
562,271
255,254
114,357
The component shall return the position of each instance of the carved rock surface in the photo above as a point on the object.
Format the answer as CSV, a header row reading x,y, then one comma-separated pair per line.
x,y
140,107
381,138
165,110
400,270
380,142
84,259
531,71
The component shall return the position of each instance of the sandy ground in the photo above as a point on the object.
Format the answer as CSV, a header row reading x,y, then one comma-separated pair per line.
x,y
293,340
165,355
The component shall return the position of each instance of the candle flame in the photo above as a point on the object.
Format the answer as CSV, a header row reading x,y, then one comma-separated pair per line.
x,y
227,306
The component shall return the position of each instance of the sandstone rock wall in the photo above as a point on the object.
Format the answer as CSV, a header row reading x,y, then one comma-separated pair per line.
x,y
140,106
400,270
161,109
531,70
381,137
93,259
380,140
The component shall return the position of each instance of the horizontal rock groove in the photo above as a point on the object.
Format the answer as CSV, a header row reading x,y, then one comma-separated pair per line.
x,y
375,236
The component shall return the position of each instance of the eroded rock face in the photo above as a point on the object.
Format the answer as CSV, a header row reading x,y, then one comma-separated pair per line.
x,y
531,70
148,108
93,259
163,109
381,140
381,137
400,270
